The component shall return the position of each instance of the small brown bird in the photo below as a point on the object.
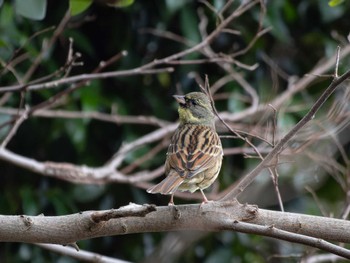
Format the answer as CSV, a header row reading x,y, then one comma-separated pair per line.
x,y
195,153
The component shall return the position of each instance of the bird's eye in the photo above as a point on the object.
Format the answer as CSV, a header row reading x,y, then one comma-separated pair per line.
x,y
194,102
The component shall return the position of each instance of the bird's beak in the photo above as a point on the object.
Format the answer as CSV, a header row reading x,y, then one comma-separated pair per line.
x,y
180,99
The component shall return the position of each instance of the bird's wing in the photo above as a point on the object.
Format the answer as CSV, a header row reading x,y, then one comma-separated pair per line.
x,y
194,153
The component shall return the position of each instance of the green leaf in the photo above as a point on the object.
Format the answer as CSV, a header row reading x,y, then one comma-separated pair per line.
x,y
87,193
164,79
330,14
122,3
334,3
90,97
189,23
219,4
174,5
29,200
78,6
2,43
277,21
33,9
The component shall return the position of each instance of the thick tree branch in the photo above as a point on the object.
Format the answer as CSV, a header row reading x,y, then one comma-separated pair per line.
x,y
214,216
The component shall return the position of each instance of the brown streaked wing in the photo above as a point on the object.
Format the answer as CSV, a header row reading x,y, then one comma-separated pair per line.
x,y
193,150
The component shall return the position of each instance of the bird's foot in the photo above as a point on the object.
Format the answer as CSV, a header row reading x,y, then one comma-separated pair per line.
x,y
205,202
171,202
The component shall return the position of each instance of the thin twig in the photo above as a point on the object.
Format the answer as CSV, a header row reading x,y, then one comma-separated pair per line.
x,y
13,60
226,6
337,63
274,171
297,86
81,255
212,8
87,77
274,174
14,128
288,236
317,200
113,118
150,154
145,69
249,178
168,35
50,44
208,51
206,89
78,85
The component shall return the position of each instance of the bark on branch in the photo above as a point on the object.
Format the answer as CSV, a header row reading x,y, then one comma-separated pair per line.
x,y
148,218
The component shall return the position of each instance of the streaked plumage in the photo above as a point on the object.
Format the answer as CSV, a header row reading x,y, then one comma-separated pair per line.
x,y
195,153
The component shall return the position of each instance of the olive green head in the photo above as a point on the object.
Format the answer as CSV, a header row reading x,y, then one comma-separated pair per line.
x,y
195,108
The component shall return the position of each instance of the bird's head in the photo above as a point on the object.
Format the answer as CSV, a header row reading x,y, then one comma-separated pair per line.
x,y
195,108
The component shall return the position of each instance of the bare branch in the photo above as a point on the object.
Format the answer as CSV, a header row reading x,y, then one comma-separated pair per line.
x,y
322,67
85,174
23,116
312,230
53,39
81,255
15,60
272,231
86,77
337,63
126,211
145,69
73,87
322,258
248,179
113,118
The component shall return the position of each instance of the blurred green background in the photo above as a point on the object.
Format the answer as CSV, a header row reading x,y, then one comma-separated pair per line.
x,y
302,33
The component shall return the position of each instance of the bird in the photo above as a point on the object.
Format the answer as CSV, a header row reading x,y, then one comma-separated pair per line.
x,y
194,156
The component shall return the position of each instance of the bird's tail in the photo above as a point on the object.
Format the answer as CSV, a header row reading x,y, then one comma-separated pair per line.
x,y
168,186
